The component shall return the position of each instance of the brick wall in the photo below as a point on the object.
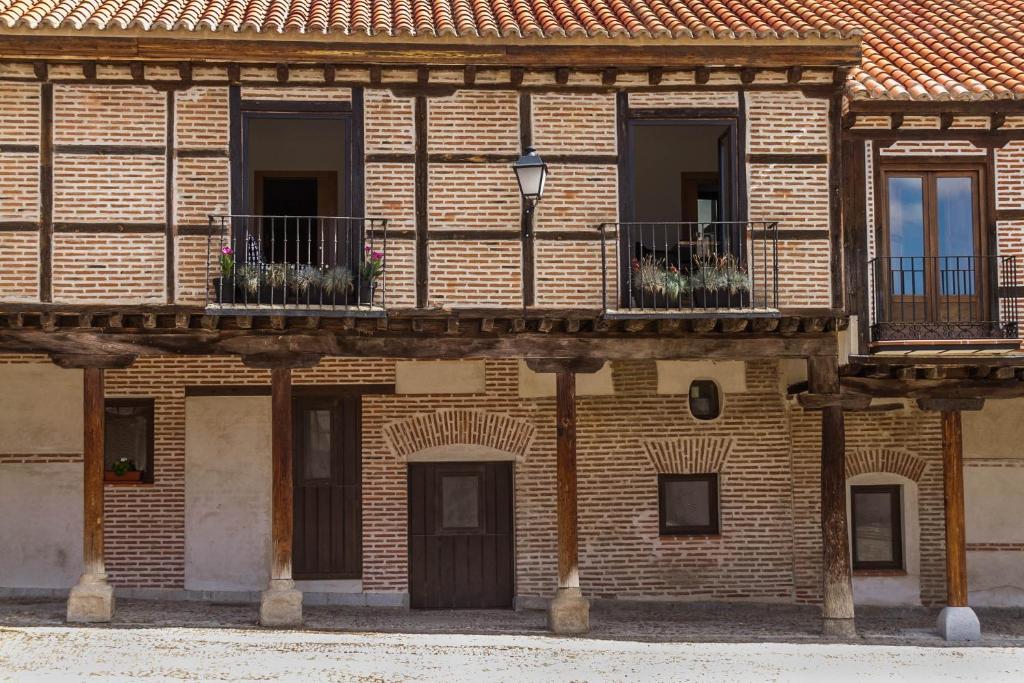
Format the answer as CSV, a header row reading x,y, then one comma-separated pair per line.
x,y
95,187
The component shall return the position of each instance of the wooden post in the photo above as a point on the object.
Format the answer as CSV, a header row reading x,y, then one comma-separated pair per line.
x,y
569,611
282,491
953,493
281,603
568,545
92,454
837,581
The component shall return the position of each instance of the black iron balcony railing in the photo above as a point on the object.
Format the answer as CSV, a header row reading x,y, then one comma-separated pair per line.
x,y
680,268
297,263
935,298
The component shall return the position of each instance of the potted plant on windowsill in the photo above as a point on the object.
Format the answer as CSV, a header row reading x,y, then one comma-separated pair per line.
x,y
123,470
719,282
224,286
336,283
370,272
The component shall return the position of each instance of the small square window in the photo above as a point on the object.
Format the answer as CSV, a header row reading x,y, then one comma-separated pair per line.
x,y
128,434
877,527
688,504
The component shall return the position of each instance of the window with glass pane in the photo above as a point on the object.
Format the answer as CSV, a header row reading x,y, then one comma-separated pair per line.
x,y
460,501
128,433
688,504
316,455
877,527
906,234
954,198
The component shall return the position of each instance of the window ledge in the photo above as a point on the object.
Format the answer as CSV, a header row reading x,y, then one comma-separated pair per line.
x,y
880,572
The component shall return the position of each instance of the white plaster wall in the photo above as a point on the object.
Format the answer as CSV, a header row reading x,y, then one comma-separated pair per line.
x,y
40,525
676,376
994,508
892,590
40,409
440,377
996,431
227,492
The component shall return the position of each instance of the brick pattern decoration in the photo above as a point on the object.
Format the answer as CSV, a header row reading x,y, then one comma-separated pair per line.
x,y
473,121
459,276
296,94
19,186
568,273
108,188
459,427
578,197
95,268
201,119
19,279
19,115
573,123
38,458
109,115
393,126
888,460
683,100
473,197
786,122
696,455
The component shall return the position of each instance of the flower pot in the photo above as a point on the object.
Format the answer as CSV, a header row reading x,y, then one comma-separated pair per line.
x,y
132,476
224,290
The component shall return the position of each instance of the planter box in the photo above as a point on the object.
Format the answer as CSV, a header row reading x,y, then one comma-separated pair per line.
x,y
224,290
698,298
111,476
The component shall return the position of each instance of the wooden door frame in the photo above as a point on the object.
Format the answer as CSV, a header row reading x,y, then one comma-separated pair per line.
x,y
344,406
984,236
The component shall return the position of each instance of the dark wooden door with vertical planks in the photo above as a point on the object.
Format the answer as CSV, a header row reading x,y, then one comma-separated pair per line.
x,y
460,535
327,541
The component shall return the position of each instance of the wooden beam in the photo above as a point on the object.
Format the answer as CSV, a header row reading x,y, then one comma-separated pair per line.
x,y
46,192
583,366
421,189
837,581
950,404
210,339
953,498
568,547
92,451
885,387
169,202
281,486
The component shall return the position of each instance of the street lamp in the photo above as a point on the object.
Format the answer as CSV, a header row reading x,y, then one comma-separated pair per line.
x,y
531,173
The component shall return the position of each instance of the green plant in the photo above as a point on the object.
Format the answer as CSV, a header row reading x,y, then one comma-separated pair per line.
x,y
736,277
648,275
307,277
676,283
248,277
336,280
122,467
372,266
280,274
227,262
707,273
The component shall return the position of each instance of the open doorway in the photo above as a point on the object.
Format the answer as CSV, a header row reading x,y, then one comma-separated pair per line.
x,y
681,245
296,185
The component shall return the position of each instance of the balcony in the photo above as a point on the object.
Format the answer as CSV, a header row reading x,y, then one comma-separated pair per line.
x,y
690,269
944,299
296,265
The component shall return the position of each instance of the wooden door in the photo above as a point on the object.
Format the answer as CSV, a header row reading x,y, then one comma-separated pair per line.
x,y
327,541
460,535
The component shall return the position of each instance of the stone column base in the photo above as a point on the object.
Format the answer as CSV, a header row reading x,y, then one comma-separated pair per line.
x,y
959,624
281,605
838,628
569,612
91,600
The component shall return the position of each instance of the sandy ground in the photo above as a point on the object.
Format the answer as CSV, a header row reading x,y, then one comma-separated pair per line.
x,y
152,641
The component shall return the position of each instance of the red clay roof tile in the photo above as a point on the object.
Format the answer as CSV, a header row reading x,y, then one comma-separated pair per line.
x,y
913,49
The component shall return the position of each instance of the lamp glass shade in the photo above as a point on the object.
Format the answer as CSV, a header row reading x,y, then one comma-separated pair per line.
x,y
531,172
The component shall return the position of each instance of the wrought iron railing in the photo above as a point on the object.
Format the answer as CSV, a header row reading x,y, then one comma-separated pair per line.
x,y
944,298
665,268
297,263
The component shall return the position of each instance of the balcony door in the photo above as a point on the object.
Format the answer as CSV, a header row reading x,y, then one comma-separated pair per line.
x,y
932,272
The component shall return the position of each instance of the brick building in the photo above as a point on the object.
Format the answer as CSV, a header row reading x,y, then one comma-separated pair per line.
x,y
268,279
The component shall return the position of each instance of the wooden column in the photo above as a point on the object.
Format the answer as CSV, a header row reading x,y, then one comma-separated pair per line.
x,y
568,545
953,493
837,581
282,491
92,452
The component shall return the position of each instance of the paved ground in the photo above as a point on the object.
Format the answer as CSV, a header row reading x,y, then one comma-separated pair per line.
x,y
154,641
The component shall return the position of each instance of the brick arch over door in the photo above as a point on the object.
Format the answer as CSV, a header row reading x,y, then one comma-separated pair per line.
x,y
887,460
688,455
460,433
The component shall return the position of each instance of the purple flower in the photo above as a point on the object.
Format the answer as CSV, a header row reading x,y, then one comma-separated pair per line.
x,y
227,251
377,256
